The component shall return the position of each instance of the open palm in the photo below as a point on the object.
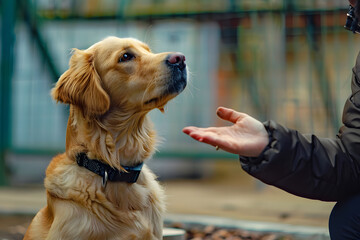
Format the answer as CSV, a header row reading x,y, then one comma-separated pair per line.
x,y
247,136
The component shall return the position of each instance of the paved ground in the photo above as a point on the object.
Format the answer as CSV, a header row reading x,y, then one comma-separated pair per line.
x,y
229,193
234,202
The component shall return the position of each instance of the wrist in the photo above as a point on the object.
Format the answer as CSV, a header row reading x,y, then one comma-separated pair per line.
x,y
270,138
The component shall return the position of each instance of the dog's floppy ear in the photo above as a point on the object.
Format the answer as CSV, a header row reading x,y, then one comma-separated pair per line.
x,y
81,86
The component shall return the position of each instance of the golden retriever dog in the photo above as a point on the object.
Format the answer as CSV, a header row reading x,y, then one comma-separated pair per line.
x,y
99,188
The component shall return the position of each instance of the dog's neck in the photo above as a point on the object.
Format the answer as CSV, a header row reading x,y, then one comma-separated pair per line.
x,y
117,138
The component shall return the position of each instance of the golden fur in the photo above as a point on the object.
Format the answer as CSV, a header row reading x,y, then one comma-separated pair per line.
x,y
109,99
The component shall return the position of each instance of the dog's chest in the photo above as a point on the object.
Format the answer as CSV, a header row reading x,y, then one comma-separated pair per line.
x,y
118,208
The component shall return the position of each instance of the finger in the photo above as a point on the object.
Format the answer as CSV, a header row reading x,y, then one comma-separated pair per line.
x,y
190,129
196,136
229,114
210,137
211,140
205,137
219,142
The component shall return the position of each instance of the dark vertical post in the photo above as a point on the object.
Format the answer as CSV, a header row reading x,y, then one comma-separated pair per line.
x,y
6,71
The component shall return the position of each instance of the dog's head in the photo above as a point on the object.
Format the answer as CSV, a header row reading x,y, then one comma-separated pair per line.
x,y
120,73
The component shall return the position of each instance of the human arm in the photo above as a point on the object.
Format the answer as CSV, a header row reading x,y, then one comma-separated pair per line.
x,y
304,165
312,167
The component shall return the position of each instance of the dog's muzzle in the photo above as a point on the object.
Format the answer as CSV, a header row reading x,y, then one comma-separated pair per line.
x,y
177,66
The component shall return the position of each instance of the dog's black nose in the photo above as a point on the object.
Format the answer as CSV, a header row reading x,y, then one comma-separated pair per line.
x,y
177,59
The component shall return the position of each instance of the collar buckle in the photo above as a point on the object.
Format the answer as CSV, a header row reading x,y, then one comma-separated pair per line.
x,y
108,173
105,179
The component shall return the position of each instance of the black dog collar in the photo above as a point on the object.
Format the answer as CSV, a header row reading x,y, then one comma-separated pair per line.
x,y
108,173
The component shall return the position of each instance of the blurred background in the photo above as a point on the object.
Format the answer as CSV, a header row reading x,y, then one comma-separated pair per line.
x,y
286,60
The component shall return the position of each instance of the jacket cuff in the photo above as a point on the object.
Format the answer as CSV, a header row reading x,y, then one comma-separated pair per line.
x,y
258,159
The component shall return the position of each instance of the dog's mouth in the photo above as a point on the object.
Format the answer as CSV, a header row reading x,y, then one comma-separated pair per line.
x,y
152,101
174,86
159,102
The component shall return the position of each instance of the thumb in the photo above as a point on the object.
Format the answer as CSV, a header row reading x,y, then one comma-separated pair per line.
x,y
229,114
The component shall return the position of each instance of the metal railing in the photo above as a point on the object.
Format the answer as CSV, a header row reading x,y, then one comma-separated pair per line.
x,y
286,60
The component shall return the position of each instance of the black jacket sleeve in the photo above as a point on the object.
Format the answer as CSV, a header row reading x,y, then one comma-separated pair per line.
x,y
312,167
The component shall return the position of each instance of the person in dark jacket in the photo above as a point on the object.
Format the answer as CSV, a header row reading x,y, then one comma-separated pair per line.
x,y
304,165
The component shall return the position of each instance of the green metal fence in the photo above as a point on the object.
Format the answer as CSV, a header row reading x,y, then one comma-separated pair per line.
x,y
285,60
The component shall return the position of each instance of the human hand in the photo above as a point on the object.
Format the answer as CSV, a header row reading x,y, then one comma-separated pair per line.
x,y
246,137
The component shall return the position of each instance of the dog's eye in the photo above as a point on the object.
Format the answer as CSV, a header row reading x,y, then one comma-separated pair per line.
x,y
126,57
